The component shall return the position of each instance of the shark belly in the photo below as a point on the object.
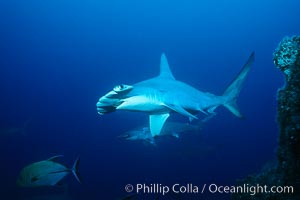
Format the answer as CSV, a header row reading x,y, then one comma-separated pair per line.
x,y
142,104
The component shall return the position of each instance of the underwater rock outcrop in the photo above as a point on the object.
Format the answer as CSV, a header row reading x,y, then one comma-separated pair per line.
x,y
287,170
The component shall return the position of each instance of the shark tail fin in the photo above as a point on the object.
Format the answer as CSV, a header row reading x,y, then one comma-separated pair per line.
x,y
75,170
233,90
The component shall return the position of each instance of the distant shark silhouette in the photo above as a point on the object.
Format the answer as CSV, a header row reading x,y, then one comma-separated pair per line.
x,y
163,94
173,129
14,131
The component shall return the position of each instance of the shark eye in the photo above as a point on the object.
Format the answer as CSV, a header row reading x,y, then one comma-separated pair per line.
x,y
119,88
122,88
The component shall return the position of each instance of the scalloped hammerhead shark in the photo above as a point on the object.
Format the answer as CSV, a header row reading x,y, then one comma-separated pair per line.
x,y
163,94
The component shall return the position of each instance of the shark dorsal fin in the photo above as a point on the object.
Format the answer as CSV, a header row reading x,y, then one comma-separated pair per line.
x,y
165,71
157,122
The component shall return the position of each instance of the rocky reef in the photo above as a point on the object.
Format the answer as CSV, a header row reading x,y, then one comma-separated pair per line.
x,y
286,172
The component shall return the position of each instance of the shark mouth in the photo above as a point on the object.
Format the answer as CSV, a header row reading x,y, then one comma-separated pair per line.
x,y
110,101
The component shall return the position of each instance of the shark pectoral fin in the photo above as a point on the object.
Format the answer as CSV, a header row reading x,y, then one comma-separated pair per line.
x,y
181,110
157,122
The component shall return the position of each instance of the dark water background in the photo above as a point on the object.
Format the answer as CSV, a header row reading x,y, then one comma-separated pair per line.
x,y
58,57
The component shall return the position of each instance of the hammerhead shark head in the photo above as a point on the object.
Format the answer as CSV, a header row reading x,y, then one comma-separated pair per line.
x,y
163,94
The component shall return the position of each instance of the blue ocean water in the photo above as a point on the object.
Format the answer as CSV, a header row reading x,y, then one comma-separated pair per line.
x,y
58,57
